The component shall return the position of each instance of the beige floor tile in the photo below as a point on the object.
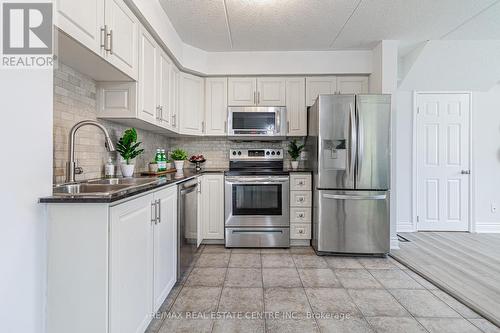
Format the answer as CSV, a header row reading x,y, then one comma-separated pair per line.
x,y
356,278
216,249
426,284
213,260
241,300
318,277
277,260
485,325
448,325
377,263
309,261
395,279
346,325
377,302
206,277
286,300
186,326
395,324
302,250
343,262
332,300
274,251
239,326
422,303
245,260
289,325
244,277
281,277
462,309
245,250
197,299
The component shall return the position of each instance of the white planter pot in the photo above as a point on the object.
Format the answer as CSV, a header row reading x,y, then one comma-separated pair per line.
x,y
169,166
179,165
127,170
295,164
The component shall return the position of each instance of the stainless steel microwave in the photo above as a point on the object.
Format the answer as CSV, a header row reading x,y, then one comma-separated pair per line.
x,y
257,122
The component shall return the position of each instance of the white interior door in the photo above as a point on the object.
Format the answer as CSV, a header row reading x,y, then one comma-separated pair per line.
x,y
442,162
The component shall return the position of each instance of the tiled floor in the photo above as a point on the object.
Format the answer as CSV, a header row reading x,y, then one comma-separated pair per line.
x,y
296,291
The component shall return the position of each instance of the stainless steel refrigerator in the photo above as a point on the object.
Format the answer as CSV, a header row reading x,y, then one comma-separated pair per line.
x,y
349,152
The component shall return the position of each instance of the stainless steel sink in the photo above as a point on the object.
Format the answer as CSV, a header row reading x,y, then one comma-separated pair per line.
x,y
123,181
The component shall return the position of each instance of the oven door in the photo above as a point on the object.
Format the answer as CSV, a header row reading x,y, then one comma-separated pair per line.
x,y
256,121
257,201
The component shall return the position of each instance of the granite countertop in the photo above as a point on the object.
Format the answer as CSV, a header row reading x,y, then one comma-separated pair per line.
x,y
164,180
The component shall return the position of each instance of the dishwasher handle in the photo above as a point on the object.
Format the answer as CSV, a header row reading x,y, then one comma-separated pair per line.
x,y
189,189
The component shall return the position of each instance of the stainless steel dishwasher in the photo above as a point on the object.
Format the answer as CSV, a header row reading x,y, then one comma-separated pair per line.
x,y
187,226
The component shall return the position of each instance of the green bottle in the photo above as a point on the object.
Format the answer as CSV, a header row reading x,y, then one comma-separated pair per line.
x,y
158,160
163,160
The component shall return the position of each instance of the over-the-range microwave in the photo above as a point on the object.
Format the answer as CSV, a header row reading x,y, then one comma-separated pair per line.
x,y
256,122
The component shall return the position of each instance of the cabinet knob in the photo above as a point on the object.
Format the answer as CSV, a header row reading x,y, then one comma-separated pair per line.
x,y
301,231
301,183
301,215
301,199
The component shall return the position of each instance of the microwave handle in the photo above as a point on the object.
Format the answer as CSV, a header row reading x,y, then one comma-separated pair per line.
x,y
278,121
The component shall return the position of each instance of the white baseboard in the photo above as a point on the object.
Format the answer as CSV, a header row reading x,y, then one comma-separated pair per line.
x,y
394,243
405,226
487,227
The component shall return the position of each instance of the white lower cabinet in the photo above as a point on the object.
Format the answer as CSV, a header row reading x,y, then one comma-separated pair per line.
x,y
111,266
300,206
212,206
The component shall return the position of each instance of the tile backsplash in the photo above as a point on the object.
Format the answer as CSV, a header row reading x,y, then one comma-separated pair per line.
x,y
75,100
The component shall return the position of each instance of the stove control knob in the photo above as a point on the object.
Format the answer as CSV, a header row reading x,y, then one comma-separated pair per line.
x,y
272,153
239,152
267,153
278,153
234,152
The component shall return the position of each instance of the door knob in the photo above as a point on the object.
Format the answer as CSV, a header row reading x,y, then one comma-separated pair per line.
x,y
465,172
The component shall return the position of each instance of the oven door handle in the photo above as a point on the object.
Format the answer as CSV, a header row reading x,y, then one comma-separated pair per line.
x,y
257,180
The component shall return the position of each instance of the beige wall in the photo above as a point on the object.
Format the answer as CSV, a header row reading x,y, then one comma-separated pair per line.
x,y
75,100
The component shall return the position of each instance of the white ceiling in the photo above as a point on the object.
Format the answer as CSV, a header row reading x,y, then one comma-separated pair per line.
x,y
287,25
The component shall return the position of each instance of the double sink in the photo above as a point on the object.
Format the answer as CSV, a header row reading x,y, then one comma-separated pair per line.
x,y
102,187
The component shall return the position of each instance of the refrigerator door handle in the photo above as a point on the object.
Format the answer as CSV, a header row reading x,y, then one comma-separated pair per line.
x,y
361,148
355,197
352,138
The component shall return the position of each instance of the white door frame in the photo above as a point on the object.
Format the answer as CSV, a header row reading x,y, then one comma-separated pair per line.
x,y
472,177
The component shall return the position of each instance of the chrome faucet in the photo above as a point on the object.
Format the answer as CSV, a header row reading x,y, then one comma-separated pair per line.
x,y
72,168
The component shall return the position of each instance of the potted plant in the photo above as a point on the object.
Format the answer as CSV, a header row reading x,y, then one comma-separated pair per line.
x,y
128,148
179,156
294,150
153,166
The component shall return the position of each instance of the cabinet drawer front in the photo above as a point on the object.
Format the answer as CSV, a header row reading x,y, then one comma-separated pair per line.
x,y
300,231
300,182
300,214
300,198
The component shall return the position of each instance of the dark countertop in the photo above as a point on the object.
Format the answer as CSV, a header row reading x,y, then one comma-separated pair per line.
x,y
164,180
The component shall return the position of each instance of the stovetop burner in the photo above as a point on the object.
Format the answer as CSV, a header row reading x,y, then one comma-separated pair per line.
x,y
254,162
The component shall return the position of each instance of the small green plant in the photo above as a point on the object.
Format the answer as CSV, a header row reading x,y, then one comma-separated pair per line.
x,y
294,149
127,145
178,155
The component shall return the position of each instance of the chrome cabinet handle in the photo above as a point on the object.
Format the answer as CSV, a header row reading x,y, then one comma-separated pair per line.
x,y
254,97
288,126
465,172
153,212
174,120
353,144
104,33
110,41
258,97
225,126
158,217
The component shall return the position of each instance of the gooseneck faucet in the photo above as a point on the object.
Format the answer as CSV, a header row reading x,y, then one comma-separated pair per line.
x,y
72,168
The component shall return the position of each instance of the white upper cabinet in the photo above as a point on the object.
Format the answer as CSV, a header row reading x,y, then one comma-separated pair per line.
x,y
251,91
352,84
121,39
212,206
319,85
83,24
271,91
296,107
242,91
215,106
192,104
148,53
163,86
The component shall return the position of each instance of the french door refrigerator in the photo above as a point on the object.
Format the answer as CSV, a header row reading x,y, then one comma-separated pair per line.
x,y
349,147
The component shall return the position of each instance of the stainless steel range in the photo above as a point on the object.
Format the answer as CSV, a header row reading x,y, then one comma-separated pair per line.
x,y
257,199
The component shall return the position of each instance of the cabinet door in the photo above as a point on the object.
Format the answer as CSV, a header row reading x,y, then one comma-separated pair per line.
x,y
319,85
352,84
296,107
174,98
82,21
122,37
191,108
215,106
131,266
242,91
271,91
163,85
212,208
148,107
165,245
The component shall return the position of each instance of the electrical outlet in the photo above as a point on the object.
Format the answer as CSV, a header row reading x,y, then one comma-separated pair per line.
x,y
493,207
